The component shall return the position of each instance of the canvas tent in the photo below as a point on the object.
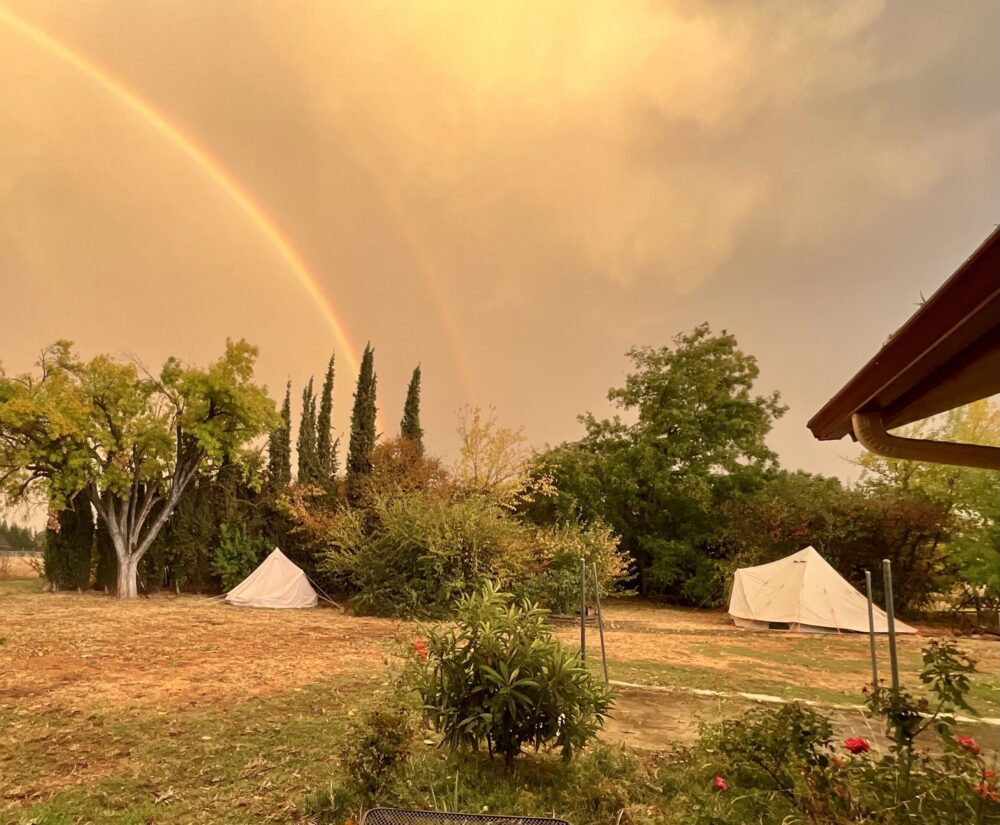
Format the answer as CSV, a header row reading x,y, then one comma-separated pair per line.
x,y
802,592
277,582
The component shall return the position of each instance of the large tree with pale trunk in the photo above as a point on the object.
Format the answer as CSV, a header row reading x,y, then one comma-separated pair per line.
x,y
131,441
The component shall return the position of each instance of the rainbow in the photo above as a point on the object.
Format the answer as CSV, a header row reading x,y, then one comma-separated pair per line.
x,y
211,168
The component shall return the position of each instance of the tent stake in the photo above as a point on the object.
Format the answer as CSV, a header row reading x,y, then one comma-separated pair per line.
x,y
891,615
871,629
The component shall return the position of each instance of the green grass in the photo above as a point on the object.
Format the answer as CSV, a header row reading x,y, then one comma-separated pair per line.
x,y
251,762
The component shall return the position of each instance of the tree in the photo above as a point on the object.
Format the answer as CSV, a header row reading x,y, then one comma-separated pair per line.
x,y
492,459
409,427
697,434
279,445
306,444
130,440
326,446
363,433
969,497
69,543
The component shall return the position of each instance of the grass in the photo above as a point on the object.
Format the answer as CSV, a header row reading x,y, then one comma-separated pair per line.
x,y
178,710
247,763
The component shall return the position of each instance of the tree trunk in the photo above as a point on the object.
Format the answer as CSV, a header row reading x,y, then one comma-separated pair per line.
x,y
128,569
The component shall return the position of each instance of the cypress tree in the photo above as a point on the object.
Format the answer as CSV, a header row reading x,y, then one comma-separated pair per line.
x,y
69,545
306,444
106,574
363,435
410,427
279,444
326,447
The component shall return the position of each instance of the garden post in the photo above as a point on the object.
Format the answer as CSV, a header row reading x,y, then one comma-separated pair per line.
x,y
891,615
600,624
583,610
871,629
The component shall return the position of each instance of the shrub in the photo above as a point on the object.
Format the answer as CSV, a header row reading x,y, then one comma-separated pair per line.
x,y
784,763
237,556
497,678
376,746
558,553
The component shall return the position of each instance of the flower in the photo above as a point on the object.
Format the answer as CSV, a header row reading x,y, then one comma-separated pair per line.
x,y
987,792
420,648
857,745
969,744
989,773
721,784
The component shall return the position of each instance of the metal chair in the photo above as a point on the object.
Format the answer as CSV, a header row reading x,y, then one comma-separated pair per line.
x,y
397,816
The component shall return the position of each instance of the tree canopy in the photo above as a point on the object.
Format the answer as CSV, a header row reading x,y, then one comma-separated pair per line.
x,y
131,440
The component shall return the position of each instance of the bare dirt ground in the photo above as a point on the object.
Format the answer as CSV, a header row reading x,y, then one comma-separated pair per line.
x,y
71,651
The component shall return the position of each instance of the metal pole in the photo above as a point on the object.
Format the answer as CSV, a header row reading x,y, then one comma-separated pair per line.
x,y
600,624
871,629
583,610
891,615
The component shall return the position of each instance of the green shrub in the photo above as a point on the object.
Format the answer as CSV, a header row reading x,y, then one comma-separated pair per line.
x,y
559,550
497,679
784,763
414,554
376,746
237,555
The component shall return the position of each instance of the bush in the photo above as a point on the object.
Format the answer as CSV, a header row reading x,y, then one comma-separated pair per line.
x,y
415,554
237,556
497,678
559,550
376,746
783,763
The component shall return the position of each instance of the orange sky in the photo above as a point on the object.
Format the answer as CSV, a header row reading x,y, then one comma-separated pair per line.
x,y
510,193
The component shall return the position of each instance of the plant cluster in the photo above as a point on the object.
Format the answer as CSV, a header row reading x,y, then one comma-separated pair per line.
x,y
495,679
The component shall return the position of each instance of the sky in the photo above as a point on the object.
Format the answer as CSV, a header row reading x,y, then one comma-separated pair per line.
x,y
511,194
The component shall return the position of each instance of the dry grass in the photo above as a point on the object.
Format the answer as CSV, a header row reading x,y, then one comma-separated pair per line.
x,y
183,709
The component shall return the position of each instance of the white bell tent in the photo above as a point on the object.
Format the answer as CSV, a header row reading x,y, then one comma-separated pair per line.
x,y
802,592
277,582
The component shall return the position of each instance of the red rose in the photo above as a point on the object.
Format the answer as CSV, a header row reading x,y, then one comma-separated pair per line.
x,y
969,744
857,745
721,784
420,648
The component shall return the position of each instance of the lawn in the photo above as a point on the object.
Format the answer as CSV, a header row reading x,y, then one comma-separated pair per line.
x,y
180,709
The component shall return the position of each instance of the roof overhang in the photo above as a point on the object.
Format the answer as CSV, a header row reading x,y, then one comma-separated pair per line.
x,y
946,355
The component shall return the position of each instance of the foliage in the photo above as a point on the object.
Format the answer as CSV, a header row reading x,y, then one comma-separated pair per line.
x,y
377,744
20,538
970,498
556,585
400,465
849,527
492,460
696,435
237,555
497,678
780,764
132,441
326,445
69,545
414,554
305,445
409,427
279,445
363,428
